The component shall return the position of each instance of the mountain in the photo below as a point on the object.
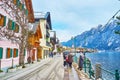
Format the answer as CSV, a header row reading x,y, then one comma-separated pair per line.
x,y
101,37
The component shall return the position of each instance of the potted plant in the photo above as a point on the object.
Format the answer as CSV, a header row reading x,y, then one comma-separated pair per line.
x,y
1,71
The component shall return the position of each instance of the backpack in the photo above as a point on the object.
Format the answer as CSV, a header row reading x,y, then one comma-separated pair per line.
x,y
67,59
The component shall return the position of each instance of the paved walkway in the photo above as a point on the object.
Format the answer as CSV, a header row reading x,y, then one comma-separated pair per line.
x,y
24,71
70,74
81,74
46,69
74,74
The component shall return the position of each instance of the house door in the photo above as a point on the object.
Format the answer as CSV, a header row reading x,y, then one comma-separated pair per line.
x,y
33,55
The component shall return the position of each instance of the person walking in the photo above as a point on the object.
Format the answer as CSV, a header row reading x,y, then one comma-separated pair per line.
x,y
64,59
70,60
80,61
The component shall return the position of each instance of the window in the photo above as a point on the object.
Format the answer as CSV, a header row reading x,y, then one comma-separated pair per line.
x,y
15,2
2,20
9,53
21,6
15,52
16,28
1,52
26,11
11,25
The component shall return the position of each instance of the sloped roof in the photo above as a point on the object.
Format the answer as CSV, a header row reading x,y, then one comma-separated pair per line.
x,y
46,16
37,29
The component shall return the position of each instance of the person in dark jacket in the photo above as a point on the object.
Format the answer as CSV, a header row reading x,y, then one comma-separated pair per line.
x,y
80,62
64,59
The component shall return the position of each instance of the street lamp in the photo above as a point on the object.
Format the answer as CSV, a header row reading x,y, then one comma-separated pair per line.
x,y
74,46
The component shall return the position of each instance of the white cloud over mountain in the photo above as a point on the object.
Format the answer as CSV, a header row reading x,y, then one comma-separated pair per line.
x,y
76,16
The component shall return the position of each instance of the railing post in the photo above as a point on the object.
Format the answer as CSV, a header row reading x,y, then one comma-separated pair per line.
x,y
98,71
85,64
90,70
116,75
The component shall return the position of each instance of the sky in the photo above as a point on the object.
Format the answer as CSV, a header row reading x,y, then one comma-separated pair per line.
x,y
72,17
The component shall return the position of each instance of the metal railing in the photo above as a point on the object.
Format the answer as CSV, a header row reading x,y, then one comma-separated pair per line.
x,y
98,72
109,75
88,68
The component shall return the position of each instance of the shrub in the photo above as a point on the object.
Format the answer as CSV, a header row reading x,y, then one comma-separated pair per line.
x,y
1,70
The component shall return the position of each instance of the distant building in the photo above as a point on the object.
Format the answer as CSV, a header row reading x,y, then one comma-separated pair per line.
x,y
45,25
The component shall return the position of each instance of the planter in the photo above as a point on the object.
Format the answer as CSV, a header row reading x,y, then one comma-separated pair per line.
x,y
2,74
11,69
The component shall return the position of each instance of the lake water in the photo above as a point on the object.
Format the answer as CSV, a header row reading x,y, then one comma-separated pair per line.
x,y
108,60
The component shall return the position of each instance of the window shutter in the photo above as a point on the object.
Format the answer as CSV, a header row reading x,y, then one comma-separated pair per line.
x,y
22,6
16,28
13,25
1,52
26,12
11,51
16,52
4,20
18,3
15,2
7,53
10,24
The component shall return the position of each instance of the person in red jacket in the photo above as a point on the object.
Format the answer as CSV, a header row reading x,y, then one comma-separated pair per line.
x,y
70,60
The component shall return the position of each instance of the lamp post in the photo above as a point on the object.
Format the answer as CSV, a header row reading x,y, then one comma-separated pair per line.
x,y
74,46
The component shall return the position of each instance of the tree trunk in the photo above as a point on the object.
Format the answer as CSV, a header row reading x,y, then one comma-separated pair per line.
x,y
21,55
21,59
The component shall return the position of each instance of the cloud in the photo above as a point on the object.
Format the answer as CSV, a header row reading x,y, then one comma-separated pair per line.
x,y
72,17
64,35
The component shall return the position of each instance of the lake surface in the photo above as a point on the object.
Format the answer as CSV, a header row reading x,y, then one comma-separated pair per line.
x,y
108,60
